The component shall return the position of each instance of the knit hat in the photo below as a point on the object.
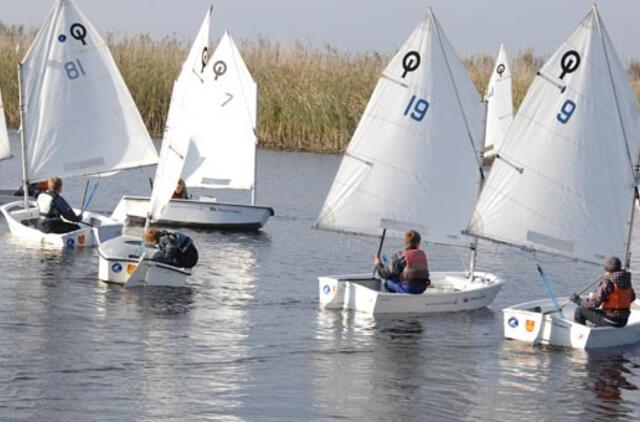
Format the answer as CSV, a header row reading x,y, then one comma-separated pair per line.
x,y
612,264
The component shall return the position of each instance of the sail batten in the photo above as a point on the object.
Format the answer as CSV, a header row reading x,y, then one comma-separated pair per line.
x,y
412,161
78,117
572,138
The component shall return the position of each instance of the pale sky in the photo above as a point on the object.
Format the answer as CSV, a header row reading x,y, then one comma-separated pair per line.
x,y
472,25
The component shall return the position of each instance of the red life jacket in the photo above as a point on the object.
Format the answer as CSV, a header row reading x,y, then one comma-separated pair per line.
x,y
619,299
416,269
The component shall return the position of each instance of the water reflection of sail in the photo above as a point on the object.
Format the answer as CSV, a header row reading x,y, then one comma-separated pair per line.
x,y
383,368
609,377
221,331
46,352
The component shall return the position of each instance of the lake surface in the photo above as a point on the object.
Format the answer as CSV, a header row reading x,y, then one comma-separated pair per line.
x,y
246,341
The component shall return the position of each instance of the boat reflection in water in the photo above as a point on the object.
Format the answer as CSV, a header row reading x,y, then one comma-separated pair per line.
x,y
177,348
575,384
609,378
400,368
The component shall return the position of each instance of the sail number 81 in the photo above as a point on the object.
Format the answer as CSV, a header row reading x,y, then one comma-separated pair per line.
x,y
417,108
74,69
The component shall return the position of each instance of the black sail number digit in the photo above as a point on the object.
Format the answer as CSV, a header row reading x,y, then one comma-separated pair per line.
x,y
569,63
410,62
79,32
219,68
205,58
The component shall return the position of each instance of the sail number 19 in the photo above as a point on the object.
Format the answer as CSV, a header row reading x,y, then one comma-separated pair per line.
x,y
417,108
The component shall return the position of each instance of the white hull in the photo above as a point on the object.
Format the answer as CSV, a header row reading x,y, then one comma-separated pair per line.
x,y
527,322
21,222
120,263
449,292
195,214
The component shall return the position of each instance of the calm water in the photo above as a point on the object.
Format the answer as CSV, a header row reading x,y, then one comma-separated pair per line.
x,y
246,341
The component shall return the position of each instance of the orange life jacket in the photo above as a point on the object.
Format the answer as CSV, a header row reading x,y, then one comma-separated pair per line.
x,y
618,299
416,269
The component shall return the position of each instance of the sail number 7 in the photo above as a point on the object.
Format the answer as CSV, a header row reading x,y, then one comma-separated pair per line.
x,y
417,108
74,69
566,111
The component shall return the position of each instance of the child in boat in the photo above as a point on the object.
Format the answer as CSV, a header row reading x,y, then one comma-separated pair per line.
x,y
610,304
181,191
174,248
409,269
53,208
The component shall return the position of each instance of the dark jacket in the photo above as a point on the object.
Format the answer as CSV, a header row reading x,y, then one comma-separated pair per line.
x,y
176,249
59,208
183,195
605,287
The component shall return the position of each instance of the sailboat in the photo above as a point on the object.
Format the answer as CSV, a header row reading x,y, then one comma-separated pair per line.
x,y
499,99
222,153
566,186
78,119
125,259
413,163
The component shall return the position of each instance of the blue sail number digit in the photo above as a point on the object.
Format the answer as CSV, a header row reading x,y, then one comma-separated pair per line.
x,y
74,69
417,108
566,111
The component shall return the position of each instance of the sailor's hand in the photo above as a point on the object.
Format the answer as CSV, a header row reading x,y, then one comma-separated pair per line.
x,y
377,261
575,299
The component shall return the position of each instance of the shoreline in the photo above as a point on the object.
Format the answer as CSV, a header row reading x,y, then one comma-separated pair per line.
x,y
310,98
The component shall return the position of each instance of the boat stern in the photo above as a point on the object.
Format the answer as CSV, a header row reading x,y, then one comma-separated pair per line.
x,y
537,322
120,263
522,325
331,292
118,259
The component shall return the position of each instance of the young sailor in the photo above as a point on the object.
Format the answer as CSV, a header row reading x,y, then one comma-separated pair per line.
x,y
53,208
174,248
409,270
181,191
610,304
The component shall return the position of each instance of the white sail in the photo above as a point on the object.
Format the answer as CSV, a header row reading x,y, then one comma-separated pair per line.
x,y
413,160
565,184
5,148
78,115
222,152
185,113
499,99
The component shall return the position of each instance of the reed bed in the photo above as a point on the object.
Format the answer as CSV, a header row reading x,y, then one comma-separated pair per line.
x,y
311,98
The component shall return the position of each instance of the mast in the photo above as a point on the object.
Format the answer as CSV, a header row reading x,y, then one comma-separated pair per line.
x,y
474,243
23,145
255,154
634,166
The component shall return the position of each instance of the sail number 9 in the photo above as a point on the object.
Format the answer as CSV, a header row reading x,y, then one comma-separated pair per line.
x,y
566,111
417,108
74,69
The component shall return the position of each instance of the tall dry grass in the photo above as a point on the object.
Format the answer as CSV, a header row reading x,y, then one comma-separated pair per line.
x,y
311,98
